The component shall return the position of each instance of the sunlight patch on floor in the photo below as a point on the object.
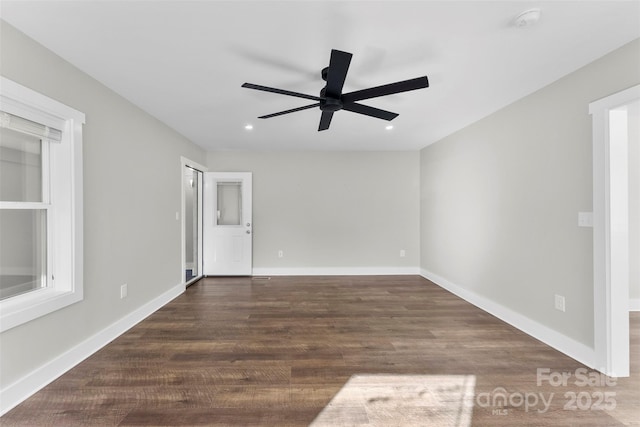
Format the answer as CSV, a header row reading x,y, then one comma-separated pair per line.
x,y
401,400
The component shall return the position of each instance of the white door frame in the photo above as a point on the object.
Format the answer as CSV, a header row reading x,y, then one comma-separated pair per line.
x,y
227,248
185,162
610,273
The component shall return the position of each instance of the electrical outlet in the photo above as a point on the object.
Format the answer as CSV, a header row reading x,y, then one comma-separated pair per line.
x,y
280,254
559,303
123,291
403,253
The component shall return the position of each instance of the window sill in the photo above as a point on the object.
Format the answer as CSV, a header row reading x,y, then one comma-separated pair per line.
x,y
21,309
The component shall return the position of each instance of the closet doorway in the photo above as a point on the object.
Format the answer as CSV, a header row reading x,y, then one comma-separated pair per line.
x,y
616,132
192,181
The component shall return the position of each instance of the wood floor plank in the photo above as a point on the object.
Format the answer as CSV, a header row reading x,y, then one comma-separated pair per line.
x,y
299,351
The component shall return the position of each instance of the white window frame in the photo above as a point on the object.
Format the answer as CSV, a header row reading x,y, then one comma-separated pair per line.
x,y
64,206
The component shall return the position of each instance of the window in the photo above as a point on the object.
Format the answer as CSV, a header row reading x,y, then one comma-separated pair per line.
x,y
40,205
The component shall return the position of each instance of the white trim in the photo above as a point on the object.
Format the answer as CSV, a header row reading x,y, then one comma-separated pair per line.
x,y
193,165
184,162
64,210
336,271
634,304
15,393
610,291
192,281
227,249
24,102
572,348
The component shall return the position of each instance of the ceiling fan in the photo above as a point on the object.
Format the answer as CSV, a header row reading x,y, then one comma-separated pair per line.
x,y
332,99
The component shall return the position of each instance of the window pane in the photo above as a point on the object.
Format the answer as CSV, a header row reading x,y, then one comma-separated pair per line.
x,y
229,203
20,167
23,257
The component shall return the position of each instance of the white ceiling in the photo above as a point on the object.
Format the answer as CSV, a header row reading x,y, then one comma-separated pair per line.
x,y
184,61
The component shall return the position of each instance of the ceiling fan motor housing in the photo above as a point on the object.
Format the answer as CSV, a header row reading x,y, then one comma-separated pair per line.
x,y
330,104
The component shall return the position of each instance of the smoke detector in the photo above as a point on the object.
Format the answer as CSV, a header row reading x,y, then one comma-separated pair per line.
x,y
528,18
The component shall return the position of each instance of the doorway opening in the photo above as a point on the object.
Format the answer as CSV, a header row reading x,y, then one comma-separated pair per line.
x,y
192,181
616,129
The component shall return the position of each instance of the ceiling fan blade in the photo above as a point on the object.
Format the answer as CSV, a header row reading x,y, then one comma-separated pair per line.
x,y
370,111
325,120
338,67
374,92
293,110
280,91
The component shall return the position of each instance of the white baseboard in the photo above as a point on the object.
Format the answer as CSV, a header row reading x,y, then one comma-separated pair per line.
x,y
552,338
634,304
337,271
15,393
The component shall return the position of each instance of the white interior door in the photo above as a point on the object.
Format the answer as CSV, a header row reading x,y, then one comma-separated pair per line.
x,y
227,224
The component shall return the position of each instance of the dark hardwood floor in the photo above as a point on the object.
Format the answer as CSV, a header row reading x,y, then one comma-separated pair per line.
x,y
393,350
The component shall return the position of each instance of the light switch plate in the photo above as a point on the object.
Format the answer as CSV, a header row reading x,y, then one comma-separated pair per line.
x,y
585,219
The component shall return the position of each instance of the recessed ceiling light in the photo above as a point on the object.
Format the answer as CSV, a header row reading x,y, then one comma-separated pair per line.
x,y
389,127
248,127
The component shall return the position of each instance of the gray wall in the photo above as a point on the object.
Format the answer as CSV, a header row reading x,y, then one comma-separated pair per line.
x,y
500,199
331,209
132,190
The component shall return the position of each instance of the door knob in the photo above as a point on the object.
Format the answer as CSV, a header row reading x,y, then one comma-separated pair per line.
x,y
248,224
248,231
